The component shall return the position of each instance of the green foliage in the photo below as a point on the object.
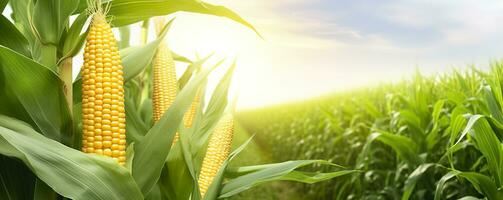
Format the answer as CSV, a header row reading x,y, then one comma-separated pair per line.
x,y
69,172
428,137
29,84
12,38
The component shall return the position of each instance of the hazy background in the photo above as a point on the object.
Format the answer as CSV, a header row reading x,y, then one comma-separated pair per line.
x,y
321,46
316,47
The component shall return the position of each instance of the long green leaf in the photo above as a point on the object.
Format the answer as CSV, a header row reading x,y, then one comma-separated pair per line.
x,y
69,172
74,40
282,171
490,146
129,11
21,10
483,184
180,58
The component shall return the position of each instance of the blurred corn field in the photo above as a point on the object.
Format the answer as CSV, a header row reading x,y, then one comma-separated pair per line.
x,y
430,137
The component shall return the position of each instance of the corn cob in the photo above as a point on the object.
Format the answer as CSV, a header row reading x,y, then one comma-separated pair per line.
x,y
218,150
165,82
104,119
189,116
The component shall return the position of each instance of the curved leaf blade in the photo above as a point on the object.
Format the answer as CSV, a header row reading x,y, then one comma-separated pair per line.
x,y
278,172
69,172
129,11
12,38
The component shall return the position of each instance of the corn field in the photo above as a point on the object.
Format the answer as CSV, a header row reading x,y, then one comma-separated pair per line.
x,y
126,127
435,137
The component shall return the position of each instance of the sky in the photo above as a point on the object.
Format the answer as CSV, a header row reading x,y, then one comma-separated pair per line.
x,y
319,47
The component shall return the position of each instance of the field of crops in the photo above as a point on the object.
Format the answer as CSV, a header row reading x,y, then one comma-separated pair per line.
x,y
435,137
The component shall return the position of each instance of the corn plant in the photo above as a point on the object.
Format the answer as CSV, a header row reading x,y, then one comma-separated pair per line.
x,y
436,137
110,134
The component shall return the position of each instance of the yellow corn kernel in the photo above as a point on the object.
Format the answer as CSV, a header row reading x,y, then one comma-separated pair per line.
x,y
218,150
102,92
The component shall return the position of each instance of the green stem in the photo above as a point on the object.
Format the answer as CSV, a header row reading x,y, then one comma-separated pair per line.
x,y
47,55
144,31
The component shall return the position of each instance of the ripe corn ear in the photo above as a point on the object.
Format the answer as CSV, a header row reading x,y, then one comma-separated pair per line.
x,y
104,119
218,150
165,82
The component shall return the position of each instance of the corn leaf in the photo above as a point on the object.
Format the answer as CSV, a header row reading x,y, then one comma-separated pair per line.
x,y
281,171
414,177
180,168
441,184
404,147
490,146
12,38
48,22
191,69
39,91
470,198
130,11
69,172
483,184
494,108
20,12
74,41
180,58
16,180
50,18
215,108
135,128
3,4
43,191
